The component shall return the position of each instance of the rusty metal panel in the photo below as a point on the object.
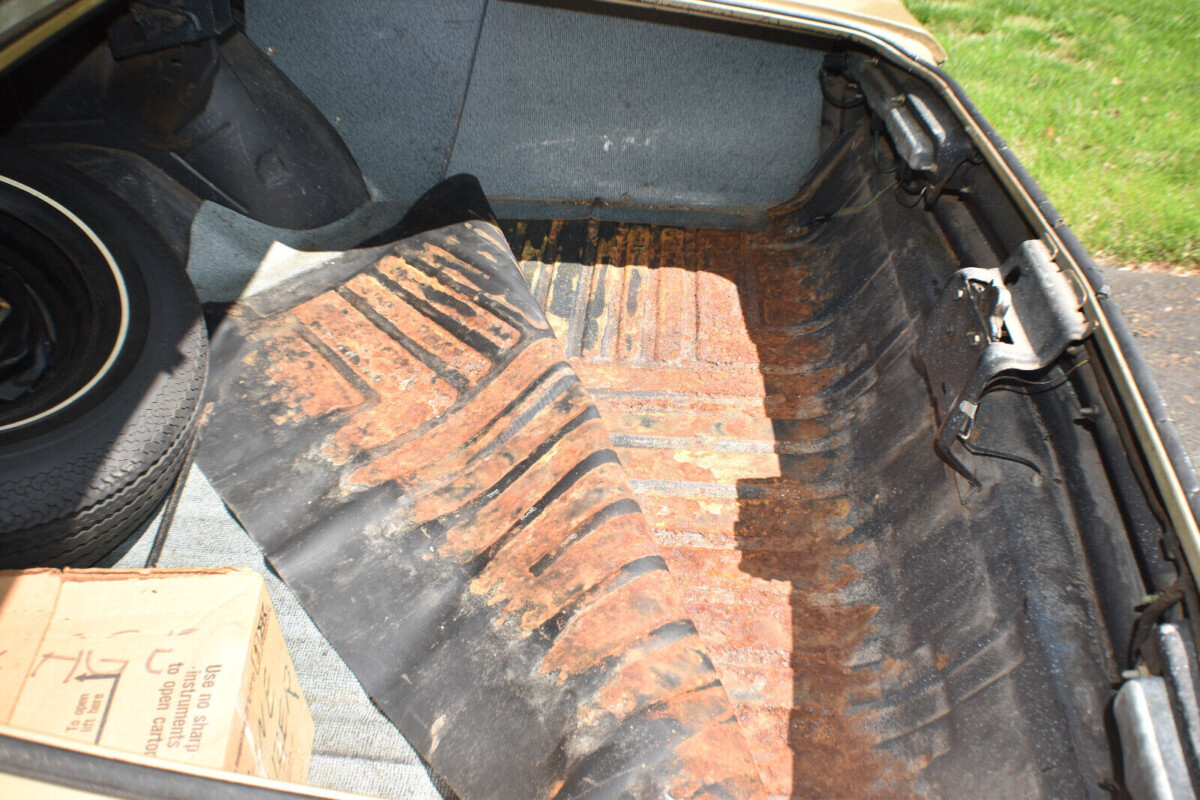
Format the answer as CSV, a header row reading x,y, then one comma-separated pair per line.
x,y
401,433
879,636
725,397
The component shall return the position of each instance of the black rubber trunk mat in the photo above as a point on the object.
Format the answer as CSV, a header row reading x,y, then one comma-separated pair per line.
x,y
400,432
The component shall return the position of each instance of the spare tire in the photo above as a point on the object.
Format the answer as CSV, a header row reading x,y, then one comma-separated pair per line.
x,y
103,356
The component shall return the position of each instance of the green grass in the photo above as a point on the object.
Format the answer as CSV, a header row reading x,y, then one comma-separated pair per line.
x,y
1101,101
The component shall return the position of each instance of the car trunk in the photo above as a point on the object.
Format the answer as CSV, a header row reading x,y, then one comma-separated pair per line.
x,y
738,259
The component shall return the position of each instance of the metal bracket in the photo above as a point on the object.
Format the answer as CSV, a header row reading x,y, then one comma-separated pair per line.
x,y
925,135
1019,317
912,140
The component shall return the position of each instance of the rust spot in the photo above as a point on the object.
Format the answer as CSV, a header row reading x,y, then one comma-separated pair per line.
x,y
560,304
435,339
667,679
724,335
645,674
506,508
448,449
489,467
777,268
411,393
448,299
450,269
710,429
604,313
304,383
623,617
712,764
539,573
676,320
778,520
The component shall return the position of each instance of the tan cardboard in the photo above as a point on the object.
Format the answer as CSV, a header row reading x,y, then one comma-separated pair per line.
x,y
185,665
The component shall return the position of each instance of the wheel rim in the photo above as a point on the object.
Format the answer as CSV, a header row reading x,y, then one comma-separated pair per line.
x,y
26,340
64,307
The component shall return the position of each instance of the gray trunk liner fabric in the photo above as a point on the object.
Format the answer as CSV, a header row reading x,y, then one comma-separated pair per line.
x,y
232,256
582,103
634,111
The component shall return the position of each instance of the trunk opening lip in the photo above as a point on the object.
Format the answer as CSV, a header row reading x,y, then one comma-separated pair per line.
x,y
26,25
1169,463
868,18
107,772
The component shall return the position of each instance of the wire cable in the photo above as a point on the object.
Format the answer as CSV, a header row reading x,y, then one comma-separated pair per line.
x,y
900,189
836,102
810,226
1038,386
875,155
984,451
846,209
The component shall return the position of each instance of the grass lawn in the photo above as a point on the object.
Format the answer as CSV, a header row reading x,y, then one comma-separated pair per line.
x,y
1101,101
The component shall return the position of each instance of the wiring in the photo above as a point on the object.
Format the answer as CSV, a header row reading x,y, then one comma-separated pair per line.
x,y
900,189
875,155
853,209
1152,613
822,219
836,102
1026,386
1036,387
984,451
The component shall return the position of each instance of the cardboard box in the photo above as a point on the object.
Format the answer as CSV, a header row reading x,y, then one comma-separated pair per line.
x,y
185,665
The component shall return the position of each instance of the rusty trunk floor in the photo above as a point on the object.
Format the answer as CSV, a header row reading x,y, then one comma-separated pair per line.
x,y
726,401
878,636
879,633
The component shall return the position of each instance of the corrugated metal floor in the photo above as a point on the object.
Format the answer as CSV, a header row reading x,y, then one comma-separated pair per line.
x,y
725,396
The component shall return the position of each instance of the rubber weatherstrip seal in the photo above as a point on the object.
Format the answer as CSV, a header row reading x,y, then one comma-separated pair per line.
x,y
400,432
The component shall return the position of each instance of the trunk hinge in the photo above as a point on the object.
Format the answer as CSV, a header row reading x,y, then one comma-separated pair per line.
x,y
1018,317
